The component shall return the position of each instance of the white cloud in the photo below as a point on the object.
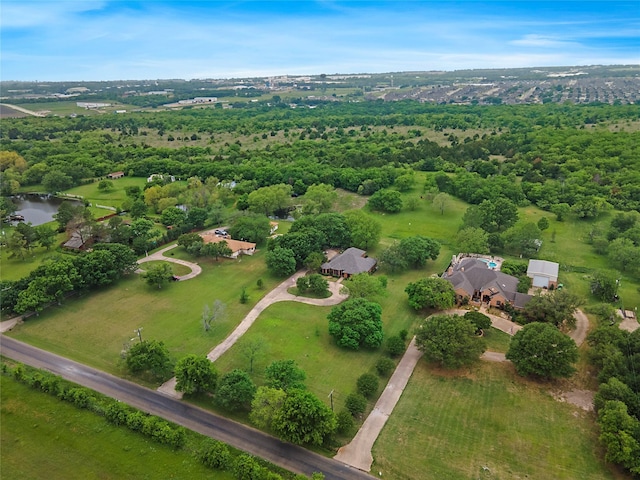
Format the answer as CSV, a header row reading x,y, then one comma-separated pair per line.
x,y
534,40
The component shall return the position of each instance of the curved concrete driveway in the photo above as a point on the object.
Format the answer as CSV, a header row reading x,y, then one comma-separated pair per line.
x,y
159,256
278,294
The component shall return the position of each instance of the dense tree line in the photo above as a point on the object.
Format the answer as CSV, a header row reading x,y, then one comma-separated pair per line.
x,y
57,277
616,355
355,147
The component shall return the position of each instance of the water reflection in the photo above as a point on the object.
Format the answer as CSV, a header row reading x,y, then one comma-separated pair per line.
x,y
37,209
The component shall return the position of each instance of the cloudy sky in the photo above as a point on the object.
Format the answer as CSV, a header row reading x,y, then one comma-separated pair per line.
x,y
59,40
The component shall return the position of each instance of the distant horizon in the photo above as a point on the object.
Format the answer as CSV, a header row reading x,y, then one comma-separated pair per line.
x,y
293,75
122,40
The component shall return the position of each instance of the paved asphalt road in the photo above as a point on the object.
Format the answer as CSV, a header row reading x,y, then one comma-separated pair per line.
x,y
288,456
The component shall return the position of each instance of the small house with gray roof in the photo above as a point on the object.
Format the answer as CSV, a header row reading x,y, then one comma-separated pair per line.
x,y
474,281
350,262
543,274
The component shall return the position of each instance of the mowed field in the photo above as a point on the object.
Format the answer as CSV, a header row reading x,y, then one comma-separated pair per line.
x,y
43,437
93,329
487,423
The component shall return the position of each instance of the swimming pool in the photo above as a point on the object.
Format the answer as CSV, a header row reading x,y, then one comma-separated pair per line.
x,y
490,263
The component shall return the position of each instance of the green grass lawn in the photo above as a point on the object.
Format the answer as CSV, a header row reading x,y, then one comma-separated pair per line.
x,y
43,437
16,268
93,328
111,198
451,426
176,268
292,330
497,340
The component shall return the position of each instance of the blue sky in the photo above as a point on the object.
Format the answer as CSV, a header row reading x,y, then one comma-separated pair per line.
x,y
56,40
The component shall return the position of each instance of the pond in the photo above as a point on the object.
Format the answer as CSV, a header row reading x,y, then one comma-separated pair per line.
x,y
37,209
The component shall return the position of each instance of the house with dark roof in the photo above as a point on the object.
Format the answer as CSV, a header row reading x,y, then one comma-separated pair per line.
x,y
350,262
473,280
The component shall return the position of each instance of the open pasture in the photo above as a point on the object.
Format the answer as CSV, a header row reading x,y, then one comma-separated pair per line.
x,y
43,437
486,423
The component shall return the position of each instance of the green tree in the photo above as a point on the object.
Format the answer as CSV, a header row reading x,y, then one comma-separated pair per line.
x,y
284,375
541,350
624,255
364,285
449,340
543,223
138,209
314,261
355,323
214,454
158,275
497,215
356,403
395,346
619,432
17,245
393,260
56,181
173,216
385,366
271,199
46,236
560,210
367,384
304,419
319,198
389,201
523,239
604,286
418,249
150,356
252,349
432,292
251,228
365,230
440,201
266,403
281,261
479,320
317,284
473,240
557,307
105,185
195,374
235,390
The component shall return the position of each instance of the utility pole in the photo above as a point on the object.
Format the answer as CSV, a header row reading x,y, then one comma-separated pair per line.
x,y
331,397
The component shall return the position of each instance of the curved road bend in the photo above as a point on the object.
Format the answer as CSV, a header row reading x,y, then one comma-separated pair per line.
x,y
255,442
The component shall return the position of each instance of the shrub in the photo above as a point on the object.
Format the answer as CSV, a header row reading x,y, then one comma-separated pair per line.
x,y
395,346
403,334
385,366
117,413
368,384
345,421
355,403
214,454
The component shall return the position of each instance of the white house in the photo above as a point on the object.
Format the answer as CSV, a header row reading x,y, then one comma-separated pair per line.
x,y
543,273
